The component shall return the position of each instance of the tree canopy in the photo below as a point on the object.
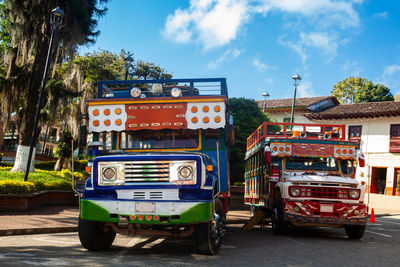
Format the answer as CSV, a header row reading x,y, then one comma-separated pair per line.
x,y
358,90
247,116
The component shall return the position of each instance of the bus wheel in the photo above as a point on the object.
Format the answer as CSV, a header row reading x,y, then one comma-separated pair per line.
x,y
279,226
354,231
209,235
95,236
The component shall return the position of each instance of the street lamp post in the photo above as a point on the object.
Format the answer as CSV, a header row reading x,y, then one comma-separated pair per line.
x,y
296,79
128,64
265,95
55,20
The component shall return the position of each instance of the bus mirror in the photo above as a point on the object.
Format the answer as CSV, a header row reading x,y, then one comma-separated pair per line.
x,y
267,155
361,161
229,135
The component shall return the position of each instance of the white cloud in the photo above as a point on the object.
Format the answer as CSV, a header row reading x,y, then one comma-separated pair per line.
x,y
391,78
260,66
215,23
381,15
228,56
352,68
327,43
305,90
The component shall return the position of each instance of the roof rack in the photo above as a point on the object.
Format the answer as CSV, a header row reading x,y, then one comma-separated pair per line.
x,y
296,130
189,87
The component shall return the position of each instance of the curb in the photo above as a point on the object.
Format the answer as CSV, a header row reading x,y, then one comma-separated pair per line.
x,y
33,231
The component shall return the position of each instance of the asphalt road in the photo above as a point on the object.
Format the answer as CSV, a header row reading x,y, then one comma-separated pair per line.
x,y
380,246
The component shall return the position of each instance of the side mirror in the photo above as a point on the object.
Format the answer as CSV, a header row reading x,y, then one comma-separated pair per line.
x,y
267,155
361,159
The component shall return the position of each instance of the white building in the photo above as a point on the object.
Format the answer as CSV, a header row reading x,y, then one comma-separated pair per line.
x,y
376,125
279,110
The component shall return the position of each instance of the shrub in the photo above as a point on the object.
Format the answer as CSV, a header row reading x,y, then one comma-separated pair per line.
x,y
45,165
6,164
16,187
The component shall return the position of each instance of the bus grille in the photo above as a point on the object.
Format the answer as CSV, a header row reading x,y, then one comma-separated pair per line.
x,y
147,171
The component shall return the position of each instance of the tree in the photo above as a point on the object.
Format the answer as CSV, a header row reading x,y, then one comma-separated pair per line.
x,y
64,148
26,57
85,71
246,118
358,90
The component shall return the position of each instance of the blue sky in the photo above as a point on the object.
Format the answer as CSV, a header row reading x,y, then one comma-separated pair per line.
x,y
258,45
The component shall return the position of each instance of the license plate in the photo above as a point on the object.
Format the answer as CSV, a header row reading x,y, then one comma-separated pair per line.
x,y
326,208
145,207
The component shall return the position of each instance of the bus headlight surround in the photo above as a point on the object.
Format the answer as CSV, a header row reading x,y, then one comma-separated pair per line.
x,y
295,191
110,173
354,193
183,172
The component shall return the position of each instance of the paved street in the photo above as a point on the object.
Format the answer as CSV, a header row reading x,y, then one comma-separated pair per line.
x,y
302,247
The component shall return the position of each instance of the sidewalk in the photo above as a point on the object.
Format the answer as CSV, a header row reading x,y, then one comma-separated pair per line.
x,y
40,220
57,219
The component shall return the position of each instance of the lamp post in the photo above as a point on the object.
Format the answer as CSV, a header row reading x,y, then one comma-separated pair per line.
x,y
128,64
55,20
296,79
265,95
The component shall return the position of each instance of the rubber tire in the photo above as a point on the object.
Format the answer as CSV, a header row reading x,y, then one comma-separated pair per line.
x,y
354,231
279,226
94,236
205,234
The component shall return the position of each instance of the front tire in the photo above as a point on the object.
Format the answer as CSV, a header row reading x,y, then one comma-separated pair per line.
x,y
279,225
354,231
95,236
209,235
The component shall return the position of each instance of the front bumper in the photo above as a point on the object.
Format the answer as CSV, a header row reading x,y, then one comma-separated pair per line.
x,y
146,212
331,214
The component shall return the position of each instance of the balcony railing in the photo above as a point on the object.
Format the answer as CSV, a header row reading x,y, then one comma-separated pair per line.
x,y
394,146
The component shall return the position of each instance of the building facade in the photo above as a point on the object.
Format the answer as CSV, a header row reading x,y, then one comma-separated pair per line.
x,y
376,126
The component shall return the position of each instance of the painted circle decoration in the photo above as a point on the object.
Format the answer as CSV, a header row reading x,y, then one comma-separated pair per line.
x,y
107,112
206,120
217,119
96,112
217,108
195,120
206,109
118,111
107,122
118,122
96,123
194,109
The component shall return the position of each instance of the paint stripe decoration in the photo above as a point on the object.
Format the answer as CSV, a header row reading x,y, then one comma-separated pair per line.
x,y
106,118
205,115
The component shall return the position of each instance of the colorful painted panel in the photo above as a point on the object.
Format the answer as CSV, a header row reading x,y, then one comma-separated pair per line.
x,y
156,116
106,118
313,150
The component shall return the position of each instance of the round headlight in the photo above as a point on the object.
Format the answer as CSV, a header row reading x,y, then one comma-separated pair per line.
x,y
136,92
109,173
354,194
295,191
185,172
176,92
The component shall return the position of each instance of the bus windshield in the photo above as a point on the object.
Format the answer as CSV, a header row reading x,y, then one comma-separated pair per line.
x,y
312,164
161,139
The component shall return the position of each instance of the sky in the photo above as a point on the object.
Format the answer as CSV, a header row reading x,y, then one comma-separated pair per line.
x,y
258,45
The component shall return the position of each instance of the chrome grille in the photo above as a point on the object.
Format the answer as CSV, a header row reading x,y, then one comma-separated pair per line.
x,y
147,171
